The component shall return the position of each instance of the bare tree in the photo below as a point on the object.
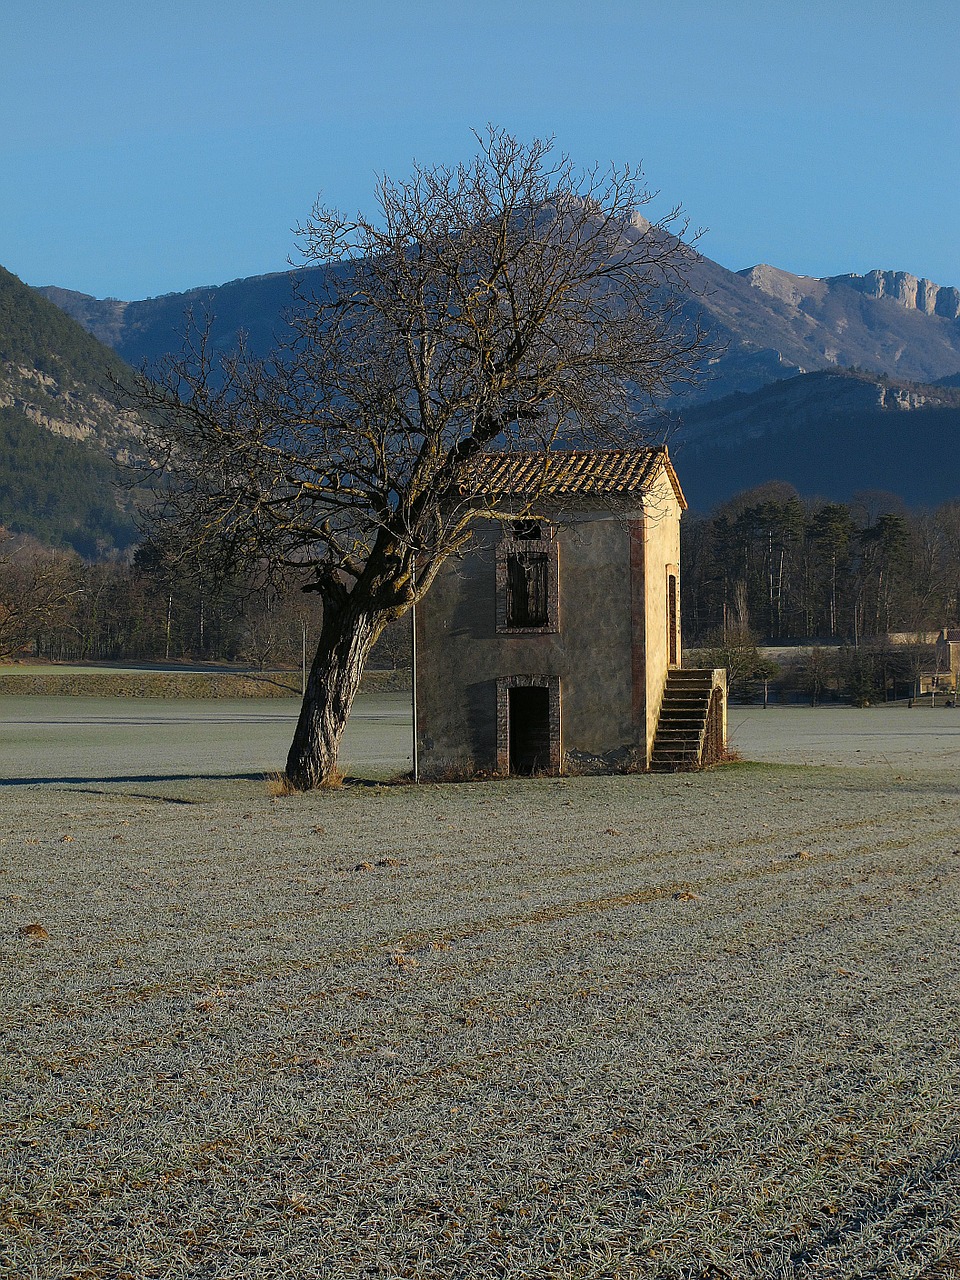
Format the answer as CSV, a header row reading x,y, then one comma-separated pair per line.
x,y
37,588
514,302
394,646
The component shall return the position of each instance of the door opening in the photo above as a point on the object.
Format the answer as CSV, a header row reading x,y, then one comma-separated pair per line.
x,y
529,729
672,611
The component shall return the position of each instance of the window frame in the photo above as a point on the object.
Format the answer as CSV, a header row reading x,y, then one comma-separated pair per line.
x,y
547,546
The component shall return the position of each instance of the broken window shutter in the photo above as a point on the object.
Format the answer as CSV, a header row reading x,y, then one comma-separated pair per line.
x,y
527,589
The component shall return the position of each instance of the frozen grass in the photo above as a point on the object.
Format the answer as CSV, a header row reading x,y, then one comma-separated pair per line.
x,y
895,735
116,740
56,681
593,1027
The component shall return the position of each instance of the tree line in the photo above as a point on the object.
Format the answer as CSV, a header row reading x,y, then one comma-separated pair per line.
x,y
766,567
791,569
56,606
859,584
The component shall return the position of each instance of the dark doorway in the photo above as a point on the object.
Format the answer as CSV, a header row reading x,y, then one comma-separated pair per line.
x,y
672,617
529,729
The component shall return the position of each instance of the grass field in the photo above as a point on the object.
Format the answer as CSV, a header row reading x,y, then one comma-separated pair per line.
x,y
201,683
697,1025
180,740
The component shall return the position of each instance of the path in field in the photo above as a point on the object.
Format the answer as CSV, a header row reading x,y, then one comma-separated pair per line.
x,y
107,739
100,739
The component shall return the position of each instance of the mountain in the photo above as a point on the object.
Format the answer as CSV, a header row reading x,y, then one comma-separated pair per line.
x,y
829,434
60,430
884,322
765,323
143,332
773,401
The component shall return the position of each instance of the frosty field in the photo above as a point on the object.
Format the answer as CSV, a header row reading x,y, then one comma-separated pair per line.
x,y
697,1025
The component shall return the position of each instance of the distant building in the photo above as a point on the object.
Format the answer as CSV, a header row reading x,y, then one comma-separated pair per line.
x,y
554,641
948,655
945,678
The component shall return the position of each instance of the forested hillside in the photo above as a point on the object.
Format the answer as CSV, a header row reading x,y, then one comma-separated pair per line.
x,y
60,428
829,434
62,492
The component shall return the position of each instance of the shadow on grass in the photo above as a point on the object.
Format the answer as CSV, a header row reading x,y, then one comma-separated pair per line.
x,y
61,779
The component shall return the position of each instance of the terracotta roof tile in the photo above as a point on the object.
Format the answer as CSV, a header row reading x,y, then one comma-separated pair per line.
x,y
568,473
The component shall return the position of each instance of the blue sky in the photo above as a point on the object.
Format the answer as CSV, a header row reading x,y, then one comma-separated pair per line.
x,y
148,146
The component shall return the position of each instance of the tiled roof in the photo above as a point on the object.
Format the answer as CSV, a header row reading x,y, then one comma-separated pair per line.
x,y
568,473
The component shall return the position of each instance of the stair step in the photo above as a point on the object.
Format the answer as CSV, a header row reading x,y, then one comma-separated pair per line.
x,y
683,717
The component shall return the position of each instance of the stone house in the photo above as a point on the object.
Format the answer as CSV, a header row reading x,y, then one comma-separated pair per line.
x,y
553,641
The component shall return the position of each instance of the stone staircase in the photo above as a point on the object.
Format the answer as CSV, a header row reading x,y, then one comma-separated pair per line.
x,y
691,729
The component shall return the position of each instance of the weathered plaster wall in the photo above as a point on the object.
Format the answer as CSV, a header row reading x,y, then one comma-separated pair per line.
x,y
461,656
661,548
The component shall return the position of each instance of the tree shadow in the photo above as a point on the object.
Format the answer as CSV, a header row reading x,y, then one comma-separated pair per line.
x,y
65,780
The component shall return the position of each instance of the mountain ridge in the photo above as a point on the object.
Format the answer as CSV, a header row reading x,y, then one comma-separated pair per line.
x,y
765,323
775,403
914,293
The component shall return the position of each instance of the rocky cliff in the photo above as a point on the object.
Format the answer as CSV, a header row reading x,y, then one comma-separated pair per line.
x,y
909,291
60,428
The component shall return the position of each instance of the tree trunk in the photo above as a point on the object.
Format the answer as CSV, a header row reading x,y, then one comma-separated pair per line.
x,y
346,638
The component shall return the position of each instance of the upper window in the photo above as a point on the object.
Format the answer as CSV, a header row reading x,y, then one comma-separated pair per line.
x,y
527,574
527,530
527,595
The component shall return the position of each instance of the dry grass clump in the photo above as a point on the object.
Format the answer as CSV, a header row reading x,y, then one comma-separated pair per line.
x,y
34,932
598,1027
279,785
